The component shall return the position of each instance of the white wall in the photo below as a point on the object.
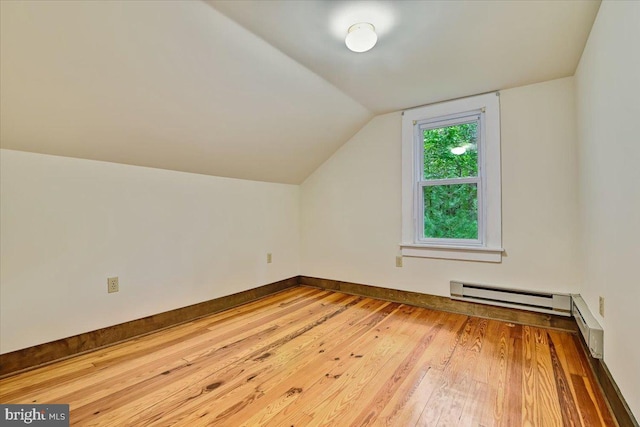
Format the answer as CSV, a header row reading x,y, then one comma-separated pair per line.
x,y
172,238
608,110
351,213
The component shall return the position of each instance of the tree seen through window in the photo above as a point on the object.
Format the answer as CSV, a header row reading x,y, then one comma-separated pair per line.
x,y
450,209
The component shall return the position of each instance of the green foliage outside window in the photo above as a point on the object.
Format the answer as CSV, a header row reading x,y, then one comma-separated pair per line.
x,y
451,211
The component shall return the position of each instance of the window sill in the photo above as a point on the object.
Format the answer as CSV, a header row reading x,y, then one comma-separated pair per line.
x,y
461,253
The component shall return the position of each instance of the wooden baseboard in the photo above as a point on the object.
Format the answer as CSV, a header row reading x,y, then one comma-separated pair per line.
x,y
31,357
446,304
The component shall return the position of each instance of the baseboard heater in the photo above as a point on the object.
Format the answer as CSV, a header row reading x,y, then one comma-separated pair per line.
x,y
542,302
589,327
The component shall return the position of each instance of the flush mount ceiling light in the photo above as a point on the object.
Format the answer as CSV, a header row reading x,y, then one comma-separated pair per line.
x,y
361,37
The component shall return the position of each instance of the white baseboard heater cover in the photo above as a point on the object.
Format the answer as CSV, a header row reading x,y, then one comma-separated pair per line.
x,y
513,298
589,327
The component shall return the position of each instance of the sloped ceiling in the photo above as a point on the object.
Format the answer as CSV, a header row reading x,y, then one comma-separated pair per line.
x,y
427,51
261,90
166,84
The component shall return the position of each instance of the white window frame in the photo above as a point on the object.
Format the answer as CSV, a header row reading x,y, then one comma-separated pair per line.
x,y
488,246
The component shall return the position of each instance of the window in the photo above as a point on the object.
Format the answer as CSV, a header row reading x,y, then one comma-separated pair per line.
x,y
451,180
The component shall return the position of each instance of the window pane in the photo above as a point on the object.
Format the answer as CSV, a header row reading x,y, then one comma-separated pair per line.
x,y
451,151
451,211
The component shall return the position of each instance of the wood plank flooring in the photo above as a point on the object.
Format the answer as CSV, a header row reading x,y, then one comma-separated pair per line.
x,y
310,357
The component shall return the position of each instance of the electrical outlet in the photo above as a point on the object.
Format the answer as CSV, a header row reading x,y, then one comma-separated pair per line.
x,y
601,306
269,258
399,261
112,285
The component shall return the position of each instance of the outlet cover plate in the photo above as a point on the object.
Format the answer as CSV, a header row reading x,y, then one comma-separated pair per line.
x,y
601,306
112,285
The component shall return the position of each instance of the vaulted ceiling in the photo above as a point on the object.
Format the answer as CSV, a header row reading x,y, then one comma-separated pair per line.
x,y
262,90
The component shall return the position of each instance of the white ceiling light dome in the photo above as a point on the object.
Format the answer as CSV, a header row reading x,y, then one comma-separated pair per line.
x,y
361,37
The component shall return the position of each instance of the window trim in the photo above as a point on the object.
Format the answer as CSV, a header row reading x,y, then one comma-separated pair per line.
x,y
488,247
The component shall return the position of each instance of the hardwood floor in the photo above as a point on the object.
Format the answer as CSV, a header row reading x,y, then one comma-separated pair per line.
x,y
307,357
